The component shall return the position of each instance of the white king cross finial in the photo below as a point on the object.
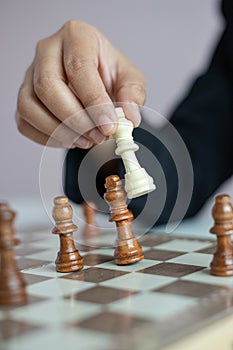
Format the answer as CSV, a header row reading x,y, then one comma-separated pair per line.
x,y
137,181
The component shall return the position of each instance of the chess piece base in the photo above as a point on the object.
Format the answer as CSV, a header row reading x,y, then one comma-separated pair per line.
x,y
69,262
222,265
13,297
128,252
138,183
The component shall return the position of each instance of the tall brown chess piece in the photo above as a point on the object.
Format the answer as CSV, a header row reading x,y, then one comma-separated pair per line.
x,y
68,258
90,228
222,212
12,284
127,250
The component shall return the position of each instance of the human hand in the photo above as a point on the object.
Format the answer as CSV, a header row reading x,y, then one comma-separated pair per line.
x,y
67,94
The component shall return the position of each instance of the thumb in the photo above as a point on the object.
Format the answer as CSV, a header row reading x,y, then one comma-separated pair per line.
x,y
130,89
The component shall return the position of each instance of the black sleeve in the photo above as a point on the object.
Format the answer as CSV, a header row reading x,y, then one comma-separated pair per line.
x,y
204,120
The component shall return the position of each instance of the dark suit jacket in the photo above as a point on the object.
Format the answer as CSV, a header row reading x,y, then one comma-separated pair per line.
x,y
204,120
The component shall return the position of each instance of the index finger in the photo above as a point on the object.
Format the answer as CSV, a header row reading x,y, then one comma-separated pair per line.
x,y
81,61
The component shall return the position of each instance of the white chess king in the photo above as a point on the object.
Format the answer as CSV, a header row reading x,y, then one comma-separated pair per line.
x,y
137,181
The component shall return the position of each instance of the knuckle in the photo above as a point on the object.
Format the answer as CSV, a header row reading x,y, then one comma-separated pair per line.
x,y
44,84
135,91
93,98
76,65
74,25
140,92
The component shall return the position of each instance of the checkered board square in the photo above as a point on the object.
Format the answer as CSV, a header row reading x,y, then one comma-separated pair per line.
x,y
105,306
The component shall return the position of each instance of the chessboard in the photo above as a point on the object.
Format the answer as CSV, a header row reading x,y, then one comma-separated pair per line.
x,y
152,304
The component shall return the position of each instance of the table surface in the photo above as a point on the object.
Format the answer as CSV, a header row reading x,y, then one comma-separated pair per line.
x,y
168,300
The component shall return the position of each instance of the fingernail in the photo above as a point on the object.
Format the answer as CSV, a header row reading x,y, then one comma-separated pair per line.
x,y
83,142
106,125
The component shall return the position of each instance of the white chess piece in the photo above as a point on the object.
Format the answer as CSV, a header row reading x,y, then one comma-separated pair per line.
x,y
137,181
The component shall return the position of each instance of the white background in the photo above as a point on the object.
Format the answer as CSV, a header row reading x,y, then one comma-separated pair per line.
x,y
169,40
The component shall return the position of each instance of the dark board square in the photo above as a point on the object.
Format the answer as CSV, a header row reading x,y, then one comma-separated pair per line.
x,y
157,254
11,328
95,259
24,249
101,295
26,263
192,289
109,322
95,275
171,269
32,279
208,250
31,299
151,240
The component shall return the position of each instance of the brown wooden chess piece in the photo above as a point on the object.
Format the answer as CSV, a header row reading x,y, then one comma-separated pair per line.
x,y
128,250
222,212
68,258
12,284
90,228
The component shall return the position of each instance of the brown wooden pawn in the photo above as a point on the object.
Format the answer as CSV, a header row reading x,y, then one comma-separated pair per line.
x,y
222,212
68,258
128,250
12,284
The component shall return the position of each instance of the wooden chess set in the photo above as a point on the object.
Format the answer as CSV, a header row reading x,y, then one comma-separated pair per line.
x,y
100,296
121,297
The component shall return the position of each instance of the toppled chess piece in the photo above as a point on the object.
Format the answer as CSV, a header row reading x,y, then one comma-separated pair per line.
x,y
137,181
68,258
222,212
128,250
12,284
